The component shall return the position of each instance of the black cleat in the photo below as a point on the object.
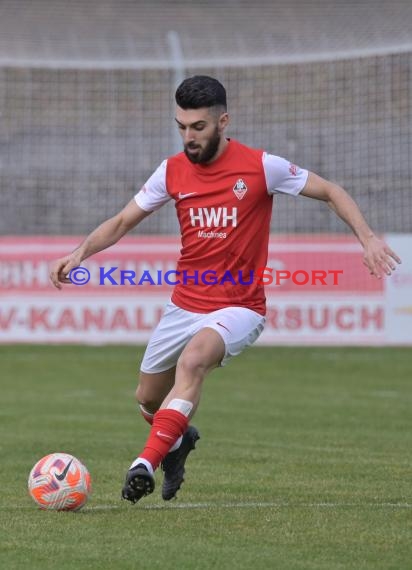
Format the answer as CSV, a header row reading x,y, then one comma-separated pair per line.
x,y
173,464
139,483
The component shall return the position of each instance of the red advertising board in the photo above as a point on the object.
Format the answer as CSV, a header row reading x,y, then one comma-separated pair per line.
x,y
318,292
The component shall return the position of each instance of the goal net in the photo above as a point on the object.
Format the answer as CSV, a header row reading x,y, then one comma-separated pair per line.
x,y
81,132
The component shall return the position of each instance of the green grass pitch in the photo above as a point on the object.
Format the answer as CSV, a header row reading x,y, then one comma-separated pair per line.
x,y
304,462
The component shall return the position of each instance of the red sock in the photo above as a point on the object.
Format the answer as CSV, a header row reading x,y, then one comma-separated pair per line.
x,y
167,426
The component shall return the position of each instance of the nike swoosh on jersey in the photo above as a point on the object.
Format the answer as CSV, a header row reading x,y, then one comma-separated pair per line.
x,y
183,196
63,474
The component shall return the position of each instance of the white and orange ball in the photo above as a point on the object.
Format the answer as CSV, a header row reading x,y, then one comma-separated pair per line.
x,y
59,482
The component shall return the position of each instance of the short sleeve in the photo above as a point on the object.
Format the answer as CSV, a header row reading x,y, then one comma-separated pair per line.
x,y
153,194
283,176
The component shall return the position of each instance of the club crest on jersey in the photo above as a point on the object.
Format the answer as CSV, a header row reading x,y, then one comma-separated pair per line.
x,y
240,189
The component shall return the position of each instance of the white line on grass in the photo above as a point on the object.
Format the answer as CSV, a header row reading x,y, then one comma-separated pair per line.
x,y
254,505
239,505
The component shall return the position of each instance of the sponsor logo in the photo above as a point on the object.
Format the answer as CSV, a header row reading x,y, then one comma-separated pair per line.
x,y
213,217
164,435
182,196
223,326
240,189
293,169
61,476
217,235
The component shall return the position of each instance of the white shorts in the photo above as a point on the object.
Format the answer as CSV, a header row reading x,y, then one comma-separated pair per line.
x,y
239,327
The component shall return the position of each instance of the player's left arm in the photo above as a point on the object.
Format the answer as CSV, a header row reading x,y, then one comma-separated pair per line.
x,y
377,255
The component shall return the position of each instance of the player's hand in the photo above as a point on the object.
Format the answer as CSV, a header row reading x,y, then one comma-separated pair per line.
x,y
379,257
60,269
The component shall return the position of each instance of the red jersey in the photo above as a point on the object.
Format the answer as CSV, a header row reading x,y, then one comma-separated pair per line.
x,y
224,210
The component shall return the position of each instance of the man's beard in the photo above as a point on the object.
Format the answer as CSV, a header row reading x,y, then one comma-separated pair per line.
x,y
206,154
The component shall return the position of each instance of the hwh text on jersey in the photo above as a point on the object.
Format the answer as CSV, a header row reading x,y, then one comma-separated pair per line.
x,y
213,217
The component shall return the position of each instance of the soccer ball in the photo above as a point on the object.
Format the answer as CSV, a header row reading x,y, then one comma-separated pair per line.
x,y
59,482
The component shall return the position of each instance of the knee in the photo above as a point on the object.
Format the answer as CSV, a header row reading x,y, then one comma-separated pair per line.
x,y
144,399
142,393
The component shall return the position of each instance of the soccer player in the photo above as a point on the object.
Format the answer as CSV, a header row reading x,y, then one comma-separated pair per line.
x,y
223,192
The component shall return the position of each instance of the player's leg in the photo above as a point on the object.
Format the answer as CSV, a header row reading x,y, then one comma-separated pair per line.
x,y
156,379
171,423
150,393
191,370
238,328
152,390
216,338
203,353
157,369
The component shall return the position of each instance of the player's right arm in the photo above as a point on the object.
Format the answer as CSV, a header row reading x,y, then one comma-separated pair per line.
x,y
105,235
